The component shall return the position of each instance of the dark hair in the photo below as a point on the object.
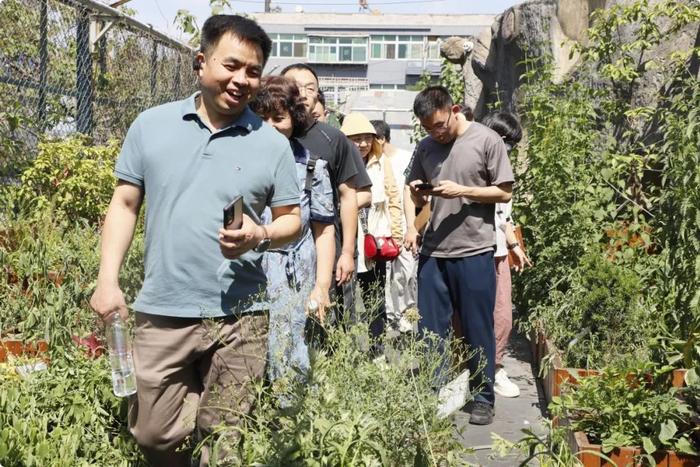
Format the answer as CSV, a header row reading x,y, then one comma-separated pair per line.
x,y
322,98
506,125
430,100
468,113
299,66
277,95
245,29
382,129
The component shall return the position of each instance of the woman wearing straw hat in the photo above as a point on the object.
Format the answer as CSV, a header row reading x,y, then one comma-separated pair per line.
x,y
383,217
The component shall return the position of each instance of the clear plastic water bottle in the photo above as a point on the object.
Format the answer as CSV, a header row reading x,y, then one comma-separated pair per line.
x,y
120,358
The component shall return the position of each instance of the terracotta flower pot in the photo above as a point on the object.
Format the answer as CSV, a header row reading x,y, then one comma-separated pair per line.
x,y
557,375
20,348
589,455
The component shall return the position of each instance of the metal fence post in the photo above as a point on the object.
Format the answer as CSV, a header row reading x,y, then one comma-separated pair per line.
x,y
43,62
83,79
154,70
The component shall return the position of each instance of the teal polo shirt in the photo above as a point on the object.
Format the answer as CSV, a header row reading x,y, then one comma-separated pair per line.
x,y
189,173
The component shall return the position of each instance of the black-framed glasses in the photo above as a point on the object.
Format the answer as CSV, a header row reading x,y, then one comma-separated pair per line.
x,y
438,128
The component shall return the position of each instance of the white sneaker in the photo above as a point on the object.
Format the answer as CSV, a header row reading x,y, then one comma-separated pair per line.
x,y
503,386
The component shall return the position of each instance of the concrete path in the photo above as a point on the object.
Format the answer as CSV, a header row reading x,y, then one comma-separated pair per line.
x,y
511,414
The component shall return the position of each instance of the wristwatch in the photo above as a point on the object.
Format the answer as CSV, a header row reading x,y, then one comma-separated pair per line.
x,y
513,245
264,244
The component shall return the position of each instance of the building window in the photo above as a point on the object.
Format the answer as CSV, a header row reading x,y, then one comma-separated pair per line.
x,y
402,47
434,47
288,45
327,49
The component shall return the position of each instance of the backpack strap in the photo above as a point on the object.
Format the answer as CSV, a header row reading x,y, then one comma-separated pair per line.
x,y
311,163
310,170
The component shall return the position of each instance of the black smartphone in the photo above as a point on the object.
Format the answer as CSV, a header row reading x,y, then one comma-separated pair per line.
x,y
233,214
424,186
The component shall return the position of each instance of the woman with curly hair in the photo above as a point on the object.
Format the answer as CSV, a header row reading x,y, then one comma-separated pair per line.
x,y
299,275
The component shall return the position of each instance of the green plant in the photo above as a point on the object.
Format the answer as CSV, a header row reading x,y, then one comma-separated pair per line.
x,y
351,410
628,407
71,176
65,416
549,449
606,302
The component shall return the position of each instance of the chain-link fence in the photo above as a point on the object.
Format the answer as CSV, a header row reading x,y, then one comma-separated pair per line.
x,y
78,66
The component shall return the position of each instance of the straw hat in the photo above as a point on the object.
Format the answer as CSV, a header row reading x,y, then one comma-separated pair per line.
x,y
357,124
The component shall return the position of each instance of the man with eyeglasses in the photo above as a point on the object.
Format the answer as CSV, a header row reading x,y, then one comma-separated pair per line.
x,y
351,184
463,166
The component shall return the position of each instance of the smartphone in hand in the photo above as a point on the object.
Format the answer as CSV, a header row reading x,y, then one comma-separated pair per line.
x,y
424,186
233,214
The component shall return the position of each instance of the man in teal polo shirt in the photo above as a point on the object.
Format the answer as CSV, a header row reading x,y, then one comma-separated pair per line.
x,y
201,315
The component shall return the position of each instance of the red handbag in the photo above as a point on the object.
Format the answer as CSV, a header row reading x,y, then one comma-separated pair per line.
x,y
378,248
381,248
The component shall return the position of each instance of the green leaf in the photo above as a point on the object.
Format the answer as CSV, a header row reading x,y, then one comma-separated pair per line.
x,y
668,431
648,444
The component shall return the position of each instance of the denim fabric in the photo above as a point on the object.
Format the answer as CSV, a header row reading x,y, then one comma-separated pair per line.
x,y
291,273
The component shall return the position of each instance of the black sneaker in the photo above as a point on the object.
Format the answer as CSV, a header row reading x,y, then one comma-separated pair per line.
x,y
481,414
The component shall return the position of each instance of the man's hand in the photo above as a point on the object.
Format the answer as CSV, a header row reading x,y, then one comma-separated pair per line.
x,y
234,243
344,268
521,259
411,240
107,300
448,189
320,296
420,197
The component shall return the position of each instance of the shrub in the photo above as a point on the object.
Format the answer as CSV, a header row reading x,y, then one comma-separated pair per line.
x,y
64,416
623,407
352,410
72,177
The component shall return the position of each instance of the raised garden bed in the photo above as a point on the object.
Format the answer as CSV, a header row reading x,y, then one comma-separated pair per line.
x,y
553,374
590,455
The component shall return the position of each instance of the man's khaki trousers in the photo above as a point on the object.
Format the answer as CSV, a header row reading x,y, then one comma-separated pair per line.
x,y
191,375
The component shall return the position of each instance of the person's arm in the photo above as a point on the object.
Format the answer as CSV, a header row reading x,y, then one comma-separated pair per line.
x,y
364,197
117,234
411,239
348,222
324,239
285,227
394,203
513,245
487,194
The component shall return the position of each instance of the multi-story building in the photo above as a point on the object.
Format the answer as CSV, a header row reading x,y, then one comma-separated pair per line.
x,y
364,51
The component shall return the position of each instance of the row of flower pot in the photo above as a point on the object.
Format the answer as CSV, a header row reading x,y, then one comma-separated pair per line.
x,y
554,376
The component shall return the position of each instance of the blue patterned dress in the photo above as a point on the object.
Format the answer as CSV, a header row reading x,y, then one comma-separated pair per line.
x,y
291,271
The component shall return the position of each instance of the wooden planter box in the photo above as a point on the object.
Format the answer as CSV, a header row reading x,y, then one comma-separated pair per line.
x,y
624,456
556,375
20,348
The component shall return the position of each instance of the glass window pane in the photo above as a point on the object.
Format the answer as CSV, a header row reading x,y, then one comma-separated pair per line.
x,y
314,40
376,38
346,54
416,38
359,54
402,50
285,49
287,37
359,40
299,37
416,51
333,50
404,38
273,51
390,51
299,49
345,40
376,50
389,38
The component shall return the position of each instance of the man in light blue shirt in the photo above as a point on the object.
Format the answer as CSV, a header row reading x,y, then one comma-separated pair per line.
x,y
201,315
